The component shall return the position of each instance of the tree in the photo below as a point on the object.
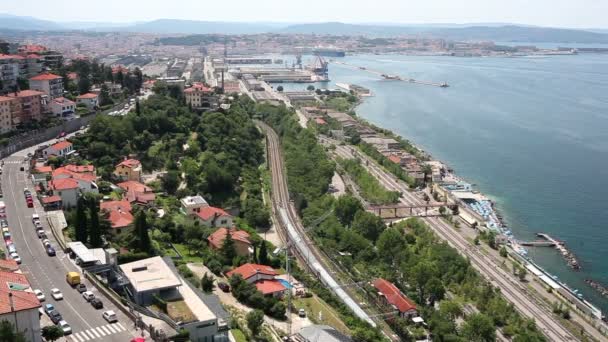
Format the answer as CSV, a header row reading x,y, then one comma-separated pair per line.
x,y
8,333
84,84
521,273
451,309
442,210
94,227
142,237
310,88
427,170
368,225
104,96
170,181
479,328
137,107
280,88
255,319
228,250
81,220
476,241
503,252
52,333
346,207
263,254
207,283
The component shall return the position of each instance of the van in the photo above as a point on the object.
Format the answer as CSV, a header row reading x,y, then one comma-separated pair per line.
x,y
73,278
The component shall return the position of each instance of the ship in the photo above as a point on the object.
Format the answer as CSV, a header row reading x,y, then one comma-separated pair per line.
x,y
390,77
329,52
444,85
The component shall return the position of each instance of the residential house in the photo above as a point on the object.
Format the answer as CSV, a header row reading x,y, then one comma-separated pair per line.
x,y
191,205
19,305
60,149
242,244
129,170
136,192
65,178
62,107
67,189
390,295
199,96
272,288
214,217
252,273
119,215
28,106
90,100
33,65
50,84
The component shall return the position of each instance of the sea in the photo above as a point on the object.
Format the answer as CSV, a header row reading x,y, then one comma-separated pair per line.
x,y
530,132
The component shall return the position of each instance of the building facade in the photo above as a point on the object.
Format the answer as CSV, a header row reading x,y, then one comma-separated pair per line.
x,y
48,83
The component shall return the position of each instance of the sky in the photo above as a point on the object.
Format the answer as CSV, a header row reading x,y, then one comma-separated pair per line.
x,y
554,13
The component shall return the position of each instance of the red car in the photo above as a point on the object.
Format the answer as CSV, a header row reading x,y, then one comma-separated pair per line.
x,y
30,203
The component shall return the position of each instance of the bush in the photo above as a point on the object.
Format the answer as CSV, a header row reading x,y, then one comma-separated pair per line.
x,y
185,271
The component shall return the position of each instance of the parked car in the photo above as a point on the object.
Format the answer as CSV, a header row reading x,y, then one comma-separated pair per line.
x,y
48,308
39,295
46,243
81,288
50,251
88,295
223,286
55,316
63,325
57,295
110,316
35,217
30,203
41,234
38,224
3,223
11,248
6,235
97,303
16,257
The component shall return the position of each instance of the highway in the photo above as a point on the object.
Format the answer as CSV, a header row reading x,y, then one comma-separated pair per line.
x,y
46,272
511,288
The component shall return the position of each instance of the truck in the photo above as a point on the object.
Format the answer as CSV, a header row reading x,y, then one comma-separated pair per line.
x,y
73,278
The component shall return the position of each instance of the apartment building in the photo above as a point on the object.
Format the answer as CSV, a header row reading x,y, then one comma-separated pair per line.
x,y
27,107
10,70
48,83
7,107
62,107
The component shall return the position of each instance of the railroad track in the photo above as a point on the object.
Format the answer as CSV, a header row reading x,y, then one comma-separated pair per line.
x,y
522,302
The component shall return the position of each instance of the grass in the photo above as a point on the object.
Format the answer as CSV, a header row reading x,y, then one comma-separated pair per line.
x,y
314,306
370,187
179,311
187,257
238,335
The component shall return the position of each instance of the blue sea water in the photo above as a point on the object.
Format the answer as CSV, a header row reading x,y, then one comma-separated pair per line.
x,y
532,133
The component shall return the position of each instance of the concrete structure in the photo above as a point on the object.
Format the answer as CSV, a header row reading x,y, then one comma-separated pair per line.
x,y
63,107
89,99
50,84
317,333
381,143
19,305
150,277
191,205
242,244
60,149
252,273
129,170
172,81
390,295
214,217
67,189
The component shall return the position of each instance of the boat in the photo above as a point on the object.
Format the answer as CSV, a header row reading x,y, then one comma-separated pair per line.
x,y
390,77
444,85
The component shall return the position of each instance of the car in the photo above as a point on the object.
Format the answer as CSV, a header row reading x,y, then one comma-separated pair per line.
x,y
35,217
97,303
302,313
55,316
16,257
50,251
37,224
63,325
109,316
223,286
81,288
88,295
41,234
46,242
3,223
30,204
6,235
39,295
56,294
26,190
11,248
48,308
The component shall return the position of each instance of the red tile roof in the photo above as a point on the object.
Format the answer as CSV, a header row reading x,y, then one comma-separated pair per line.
x,y
395,159
21,300
130,163
137,192
134,186
25,93
32,48
63,184
51,199
115,205
119,213
320,121
393,295
198,87
61,145
45,77
270,286
217,238
207,213
87,96
63,101
2,56
8,265
80,168
249,270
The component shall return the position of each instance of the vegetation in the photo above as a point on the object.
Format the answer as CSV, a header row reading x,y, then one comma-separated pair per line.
x,y
51,333
249,295
9,334
371,189
255,319
386,163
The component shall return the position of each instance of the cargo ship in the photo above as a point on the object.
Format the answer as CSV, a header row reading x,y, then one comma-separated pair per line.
x,y
329,52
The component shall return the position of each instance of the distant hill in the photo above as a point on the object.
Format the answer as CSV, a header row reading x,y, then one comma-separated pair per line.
x,y
197,27
13,22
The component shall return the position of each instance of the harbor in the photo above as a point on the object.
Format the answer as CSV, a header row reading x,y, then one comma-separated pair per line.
x,y
393,77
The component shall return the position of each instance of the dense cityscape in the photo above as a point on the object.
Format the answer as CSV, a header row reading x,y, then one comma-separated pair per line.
x,y
220,187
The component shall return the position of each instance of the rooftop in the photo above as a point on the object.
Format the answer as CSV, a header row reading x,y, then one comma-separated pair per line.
x,y
217,238
63,101
119,213
87,96
63,184
82,252
45,77
249,270
193,201
393,295
25,93
325,333
150,274
130,163
207,213
269,286
61,145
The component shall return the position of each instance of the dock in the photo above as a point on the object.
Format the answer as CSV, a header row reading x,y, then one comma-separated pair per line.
x,y
393,77
548,241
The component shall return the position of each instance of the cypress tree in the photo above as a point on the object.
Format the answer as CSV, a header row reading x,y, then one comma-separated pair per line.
x,y
81,220
95,229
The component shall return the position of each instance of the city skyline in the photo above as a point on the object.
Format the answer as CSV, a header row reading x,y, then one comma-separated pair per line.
x,y
559,13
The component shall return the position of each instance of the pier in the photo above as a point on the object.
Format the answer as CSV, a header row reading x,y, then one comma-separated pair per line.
x,y
547,241
393,77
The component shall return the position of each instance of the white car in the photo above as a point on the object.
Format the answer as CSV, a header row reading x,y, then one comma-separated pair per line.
x,y
46,243
88,295
16,257
67,329
109,316
57,295
39,295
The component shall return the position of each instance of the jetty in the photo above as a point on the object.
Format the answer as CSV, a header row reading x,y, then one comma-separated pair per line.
x,y
598,287
393,77
559,245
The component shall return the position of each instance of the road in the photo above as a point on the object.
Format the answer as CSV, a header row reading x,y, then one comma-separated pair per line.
x,y
293,228
46,272
511,288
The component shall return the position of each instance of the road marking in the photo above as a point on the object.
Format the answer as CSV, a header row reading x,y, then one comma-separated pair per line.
x,y
93,332
103,327
109,327
88,334
98,329
121,327
75,336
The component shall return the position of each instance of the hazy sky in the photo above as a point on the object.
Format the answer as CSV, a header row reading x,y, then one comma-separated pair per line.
x,y
560,13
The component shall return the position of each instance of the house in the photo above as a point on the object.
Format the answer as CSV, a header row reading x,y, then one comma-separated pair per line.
x,y
119,215
214,217
62,107
199,96
8,265
252,273
136,192
52,202
60,149
390,295
193,204
128,170
67,189
89,99
272,288
242,244
19,305
149,277
315,332
11,67
50,84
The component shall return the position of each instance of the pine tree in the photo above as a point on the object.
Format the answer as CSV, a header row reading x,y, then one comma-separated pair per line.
x,y
263,254
81,220
207,283
94,228
141,230
228,250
